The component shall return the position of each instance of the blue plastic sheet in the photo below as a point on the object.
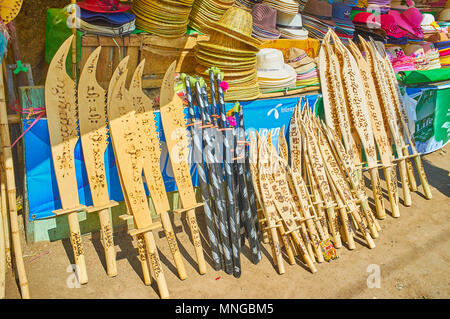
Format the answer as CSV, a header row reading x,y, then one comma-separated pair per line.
x,y
43,195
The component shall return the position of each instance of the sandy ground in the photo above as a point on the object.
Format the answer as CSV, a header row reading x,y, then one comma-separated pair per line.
x,y
412,253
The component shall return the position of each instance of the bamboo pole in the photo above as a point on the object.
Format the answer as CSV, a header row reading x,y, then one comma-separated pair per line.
x,y
2,259
74,42
11,187
4,212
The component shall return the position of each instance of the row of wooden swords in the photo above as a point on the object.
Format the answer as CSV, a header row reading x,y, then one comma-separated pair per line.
x,y
89,112
306,195
311,192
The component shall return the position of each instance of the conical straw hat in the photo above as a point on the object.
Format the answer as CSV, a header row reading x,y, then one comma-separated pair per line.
x,y
238,24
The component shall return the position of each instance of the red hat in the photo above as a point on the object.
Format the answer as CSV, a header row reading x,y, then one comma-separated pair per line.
x,y
391,27
367,18
103,6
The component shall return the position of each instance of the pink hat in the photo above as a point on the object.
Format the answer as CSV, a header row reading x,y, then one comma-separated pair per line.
x,y
391,27
367,18
409,20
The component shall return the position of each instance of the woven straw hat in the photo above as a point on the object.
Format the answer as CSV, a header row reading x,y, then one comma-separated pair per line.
x,y
9,9
238,24
168,18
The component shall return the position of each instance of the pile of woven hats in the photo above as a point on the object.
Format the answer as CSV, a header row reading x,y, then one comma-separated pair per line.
x,y
288,6
304,66
317,18
264,22
204,11
167,18
232,49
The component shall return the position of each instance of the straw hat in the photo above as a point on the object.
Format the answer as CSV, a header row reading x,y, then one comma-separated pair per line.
x,y
168,18
236,23
296,57
204,11
444,15
9,9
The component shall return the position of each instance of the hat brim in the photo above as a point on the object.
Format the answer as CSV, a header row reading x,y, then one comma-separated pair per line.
x,y
93,8
273,30
285,73
254,43
304,61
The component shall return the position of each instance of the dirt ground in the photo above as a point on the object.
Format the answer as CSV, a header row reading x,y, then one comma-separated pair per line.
x,y
412,253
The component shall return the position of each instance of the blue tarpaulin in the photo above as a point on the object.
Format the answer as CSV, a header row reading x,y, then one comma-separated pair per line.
x,y
43,195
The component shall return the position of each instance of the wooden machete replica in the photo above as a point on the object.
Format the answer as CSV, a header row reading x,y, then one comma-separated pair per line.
x,y
94,135
174,125
61,108
125,136
360,118
395,91
389,116
378,126
143,258
151,152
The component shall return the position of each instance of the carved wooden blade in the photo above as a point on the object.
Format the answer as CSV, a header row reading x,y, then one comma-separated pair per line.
x,y
125,136
374,108
326,76
93,131
283,149
174,124
357,102
338,110
390,115
151,151
60,104
120,69
295,141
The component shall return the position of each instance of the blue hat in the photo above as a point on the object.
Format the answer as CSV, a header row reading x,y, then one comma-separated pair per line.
x,y
341,13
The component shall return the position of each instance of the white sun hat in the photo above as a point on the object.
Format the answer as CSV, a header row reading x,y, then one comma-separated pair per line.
x,y
270,64
428,22
291,26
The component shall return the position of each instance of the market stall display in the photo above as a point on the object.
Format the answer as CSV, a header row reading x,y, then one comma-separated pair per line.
x,y
154,78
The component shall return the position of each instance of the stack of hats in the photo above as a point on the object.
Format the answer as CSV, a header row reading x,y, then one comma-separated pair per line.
x,y
264,22
105,18
232,49
341,16
288,6
432,55
204,11
166,18
444,53
317,18
395,35
417,52
290,26
367,25
400,61
273,73
304,66
409,20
